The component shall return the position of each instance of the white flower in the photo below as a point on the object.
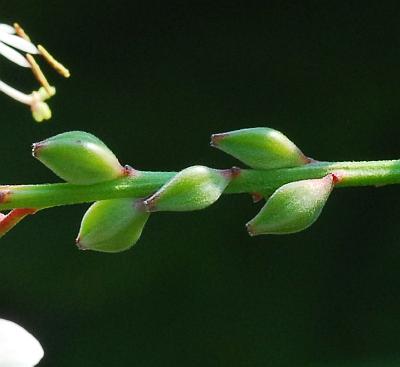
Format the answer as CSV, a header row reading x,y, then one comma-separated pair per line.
x,y
7,39
18,348
40,109
13,39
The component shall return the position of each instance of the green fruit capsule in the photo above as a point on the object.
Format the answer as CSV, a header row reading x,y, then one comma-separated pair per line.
x,y
78,157
112,225
260,147
293,207
193,188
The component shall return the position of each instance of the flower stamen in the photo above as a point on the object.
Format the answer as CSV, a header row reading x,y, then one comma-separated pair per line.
x,y
14,39
20,32
37,72
57,66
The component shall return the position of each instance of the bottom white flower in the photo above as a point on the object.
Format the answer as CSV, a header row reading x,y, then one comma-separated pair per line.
x,y
18,348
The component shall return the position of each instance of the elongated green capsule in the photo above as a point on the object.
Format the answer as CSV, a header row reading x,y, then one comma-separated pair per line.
x,y
260,147
293,207
193,188
78,157
112,225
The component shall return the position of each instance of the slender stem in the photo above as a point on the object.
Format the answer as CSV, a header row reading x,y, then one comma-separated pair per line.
x,y
375,173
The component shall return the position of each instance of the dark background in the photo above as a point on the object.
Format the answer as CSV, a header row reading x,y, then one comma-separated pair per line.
x,y
154,80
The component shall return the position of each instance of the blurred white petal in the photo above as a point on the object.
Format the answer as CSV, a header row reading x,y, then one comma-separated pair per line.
x,y
18,42
13,56
18,348
16,94
6,28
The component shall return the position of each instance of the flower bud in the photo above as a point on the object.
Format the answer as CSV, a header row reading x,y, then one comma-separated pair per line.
x,y
193,188
112,225
78,157
260,147
293,207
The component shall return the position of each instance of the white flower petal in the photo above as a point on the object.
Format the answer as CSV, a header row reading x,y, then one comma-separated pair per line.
x,y
13,56
18,348
16,94
19,43
6,28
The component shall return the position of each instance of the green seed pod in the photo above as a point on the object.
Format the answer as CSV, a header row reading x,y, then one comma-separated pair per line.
x,y
260,147
112,225
193,188
78,157
293,207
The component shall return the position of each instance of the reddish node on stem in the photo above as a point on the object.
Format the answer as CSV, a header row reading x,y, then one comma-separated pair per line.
x,y
235,171
129,171
256,197
140,206
5,196
216,138
149,205
336,178
231,173
309,160
10,220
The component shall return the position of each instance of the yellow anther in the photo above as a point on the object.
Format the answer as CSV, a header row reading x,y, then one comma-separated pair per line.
x,y
37,72
61,69
20,32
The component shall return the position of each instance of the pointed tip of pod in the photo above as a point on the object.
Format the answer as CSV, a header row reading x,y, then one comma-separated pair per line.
x,y
36,149
217,138
79,244
250,230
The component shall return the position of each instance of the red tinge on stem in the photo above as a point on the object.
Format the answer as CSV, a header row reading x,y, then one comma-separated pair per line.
x,y
336,178
256,197
4,195
231,173
11,219
128,171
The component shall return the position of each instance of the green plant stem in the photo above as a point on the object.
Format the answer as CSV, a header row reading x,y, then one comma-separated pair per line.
x,y
247,181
